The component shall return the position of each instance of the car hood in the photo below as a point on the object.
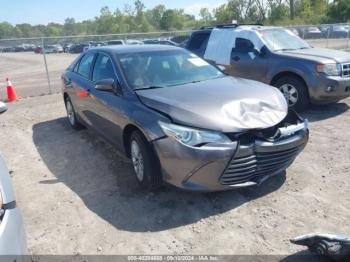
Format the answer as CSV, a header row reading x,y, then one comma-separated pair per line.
x,y
320,55
7,193
226,104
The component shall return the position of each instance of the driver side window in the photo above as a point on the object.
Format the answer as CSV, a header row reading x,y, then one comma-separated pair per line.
x,y
103,68
243,45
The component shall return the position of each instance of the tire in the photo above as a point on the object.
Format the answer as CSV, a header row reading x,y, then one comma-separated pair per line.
x,y
295,92
149,177
71,115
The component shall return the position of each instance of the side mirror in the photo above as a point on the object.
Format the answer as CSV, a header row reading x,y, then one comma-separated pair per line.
x,y
3,107
257,52
106,85
260,52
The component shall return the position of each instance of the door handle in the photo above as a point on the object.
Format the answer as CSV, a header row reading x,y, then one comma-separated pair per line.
x,y
236,58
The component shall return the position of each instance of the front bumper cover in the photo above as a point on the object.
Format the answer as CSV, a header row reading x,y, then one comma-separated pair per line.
x,y
340,89
208,168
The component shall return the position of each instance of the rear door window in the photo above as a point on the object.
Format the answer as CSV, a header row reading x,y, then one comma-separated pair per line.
x,y
85,65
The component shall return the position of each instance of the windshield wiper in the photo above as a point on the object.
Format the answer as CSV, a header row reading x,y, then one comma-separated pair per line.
x,y
286,49
148,87
291,49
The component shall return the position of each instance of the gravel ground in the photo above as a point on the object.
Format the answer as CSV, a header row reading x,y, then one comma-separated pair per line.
x,y
78,195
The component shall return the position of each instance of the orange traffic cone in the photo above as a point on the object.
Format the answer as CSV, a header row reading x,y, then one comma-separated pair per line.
x,y
11,94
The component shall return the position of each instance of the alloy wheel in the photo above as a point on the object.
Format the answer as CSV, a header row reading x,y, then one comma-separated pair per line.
x,y
70,113
137,160
290,93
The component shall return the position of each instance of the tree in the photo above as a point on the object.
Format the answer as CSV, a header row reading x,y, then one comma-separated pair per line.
x,y
69,26
206,16
278,12
339,11
6,30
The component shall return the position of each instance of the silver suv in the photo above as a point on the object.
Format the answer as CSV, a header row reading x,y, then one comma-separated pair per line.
x,y
278,57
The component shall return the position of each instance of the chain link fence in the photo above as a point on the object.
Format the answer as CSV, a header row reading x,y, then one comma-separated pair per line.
x,y
35,70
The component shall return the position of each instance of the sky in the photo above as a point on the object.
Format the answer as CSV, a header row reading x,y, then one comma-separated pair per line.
x,y
42,12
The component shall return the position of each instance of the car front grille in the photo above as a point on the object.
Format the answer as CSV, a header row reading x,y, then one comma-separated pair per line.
x,y
345,70
247,168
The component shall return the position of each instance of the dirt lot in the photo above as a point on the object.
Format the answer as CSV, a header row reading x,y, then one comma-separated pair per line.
x,y
78,195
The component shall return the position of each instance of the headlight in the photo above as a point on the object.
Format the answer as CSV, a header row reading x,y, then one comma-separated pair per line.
x,y
193,137
329,69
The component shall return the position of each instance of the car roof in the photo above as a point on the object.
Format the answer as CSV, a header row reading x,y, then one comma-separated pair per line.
x,y
245,27
126,49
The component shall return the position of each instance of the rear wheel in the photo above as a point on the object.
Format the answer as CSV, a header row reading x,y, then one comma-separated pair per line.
x,y
72,117
145,162
294,91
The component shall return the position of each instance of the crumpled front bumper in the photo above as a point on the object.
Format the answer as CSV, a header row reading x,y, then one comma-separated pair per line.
x,y
215,167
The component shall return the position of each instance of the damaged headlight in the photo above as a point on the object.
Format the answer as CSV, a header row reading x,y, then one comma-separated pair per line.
x,y
329,69
290,130
193,137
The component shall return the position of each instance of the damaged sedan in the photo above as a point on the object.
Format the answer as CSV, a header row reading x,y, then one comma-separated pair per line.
x,y
182,120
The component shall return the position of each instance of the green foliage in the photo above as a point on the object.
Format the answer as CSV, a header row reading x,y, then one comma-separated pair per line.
x,y
135,18
339,11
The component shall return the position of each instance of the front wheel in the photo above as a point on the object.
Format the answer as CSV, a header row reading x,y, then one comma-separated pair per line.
x,y
145,162
294,91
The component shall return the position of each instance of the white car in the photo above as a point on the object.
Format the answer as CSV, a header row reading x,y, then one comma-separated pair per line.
x,y
12,234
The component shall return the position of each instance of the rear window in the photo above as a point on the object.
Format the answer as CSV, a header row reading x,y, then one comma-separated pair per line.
x,y
85,65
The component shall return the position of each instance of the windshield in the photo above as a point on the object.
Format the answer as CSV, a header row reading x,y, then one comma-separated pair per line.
x,y
165,68
282,40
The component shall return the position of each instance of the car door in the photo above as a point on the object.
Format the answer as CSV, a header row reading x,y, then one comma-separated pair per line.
x,y
105,108
81,85
246,62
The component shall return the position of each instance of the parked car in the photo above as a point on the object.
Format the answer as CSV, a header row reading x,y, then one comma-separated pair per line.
x,y
312,32
7,49
49,49
57,48
325,30
19,49
12,233
115,42
77,48
276,56
66,47
179,39
133,42
180,119
159,42
338,31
